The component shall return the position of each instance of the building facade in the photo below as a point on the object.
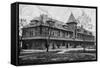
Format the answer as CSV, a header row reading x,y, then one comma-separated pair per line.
x,y
44,30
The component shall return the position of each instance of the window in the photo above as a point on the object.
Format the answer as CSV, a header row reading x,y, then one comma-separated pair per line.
x,y
31,33
63,34
66,34
58,33
37,31
52,33
24,33
44,31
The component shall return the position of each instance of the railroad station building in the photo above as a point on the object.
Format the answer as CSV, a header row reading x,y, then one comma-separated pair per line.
x,y
43,29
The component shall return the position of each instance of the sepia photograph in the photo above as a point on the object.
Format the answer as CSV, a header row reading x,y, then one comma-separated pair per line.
x,y
54,34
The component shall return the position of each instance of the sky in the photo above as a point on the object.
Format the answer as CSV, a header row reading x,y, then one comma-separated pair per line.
x,y
29,12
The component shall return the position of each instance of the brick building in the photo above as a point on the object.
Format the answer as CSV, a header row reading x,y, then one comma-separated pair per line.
x,y
43,29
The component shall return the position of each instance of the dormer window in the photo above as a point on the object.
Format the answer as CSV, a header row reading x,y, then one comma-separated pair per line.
x,y
50,22
34,22
65,26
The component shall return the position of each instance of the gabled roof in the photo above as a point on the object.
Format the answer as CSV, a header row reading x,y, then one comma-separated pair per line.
x,y
57,24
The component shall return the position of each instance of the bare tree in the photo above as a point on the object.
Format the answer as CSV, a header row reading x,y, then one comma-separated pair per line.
x,y
22,23
51,25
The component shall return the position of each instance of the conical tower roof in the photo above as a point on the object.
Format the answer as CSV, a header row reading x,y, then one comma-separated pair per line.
x,y
71,18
